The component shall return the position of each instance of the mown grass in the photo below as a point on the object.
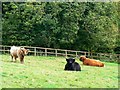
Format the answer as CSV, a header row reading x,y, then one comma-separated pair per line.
x,y
48,72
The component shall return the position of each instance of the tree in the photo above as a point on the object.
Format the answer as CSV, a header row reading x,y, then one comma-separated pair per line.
x,y
98,27
91,26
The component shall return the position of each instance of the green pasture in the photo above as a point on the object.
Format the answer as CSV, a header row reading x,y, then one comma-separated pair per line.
x,y
48,72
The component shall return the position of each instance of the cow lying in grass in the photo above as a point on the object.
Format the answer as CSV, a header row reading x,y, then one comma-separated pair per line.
x,y
72,65
18,52
91,62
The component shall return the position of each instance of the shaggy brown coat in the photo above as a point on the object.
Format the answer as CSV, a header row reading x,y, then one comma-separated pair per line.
x,y
18,52
91,62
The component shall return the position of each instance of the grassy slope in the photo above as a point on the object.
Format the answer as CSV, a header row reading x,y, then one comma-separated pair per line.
x,y
48,72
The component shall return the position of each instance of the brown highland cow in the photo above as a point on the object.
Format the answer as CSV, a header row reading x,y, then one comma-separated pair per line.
x,y
91,62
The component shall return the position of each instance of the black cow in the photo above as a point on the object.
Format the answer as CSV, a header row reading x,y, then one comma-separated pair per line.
x,y
72,65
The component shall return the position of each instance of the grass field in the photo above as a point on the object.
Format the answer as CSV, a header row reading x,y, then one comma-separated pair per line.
x,y
48,72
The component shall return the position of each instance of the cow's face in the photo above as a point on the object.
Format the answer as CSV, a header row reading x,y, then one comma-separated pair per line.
x,y
82,58
70,60
25,51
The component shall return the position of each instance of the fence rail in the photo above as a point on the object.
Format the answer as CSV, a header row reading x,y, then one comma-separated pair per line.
x,y
40,51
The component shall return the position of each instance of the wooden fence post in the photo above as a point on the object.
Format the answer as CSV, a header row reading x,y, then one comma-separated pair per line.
x,y
88,54
110,56
4,49
76,54
91,55
56,52
85,53
35,51
66,53
45,52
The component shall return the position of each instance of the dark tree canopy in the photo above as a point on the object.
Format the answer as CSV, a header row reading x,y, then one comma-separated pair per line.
x,y
91,26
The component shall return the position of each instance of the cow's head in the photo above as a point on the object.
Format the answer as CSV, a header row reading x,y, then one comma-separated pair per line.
x,y
25,51
82,58
70,60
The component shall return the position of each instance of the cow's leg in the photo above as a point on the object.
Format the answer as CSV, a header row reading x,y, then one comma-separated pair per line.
x,y
11,58
22,59
15,59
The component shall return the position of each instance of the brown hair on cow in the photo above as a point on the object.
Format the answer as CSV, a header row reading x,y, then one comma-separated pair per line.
x,y
18,52
91,62
82,58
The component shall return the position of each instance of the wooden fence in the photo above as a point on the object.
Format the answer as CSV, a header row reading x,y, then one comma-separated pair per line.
x,y
40,51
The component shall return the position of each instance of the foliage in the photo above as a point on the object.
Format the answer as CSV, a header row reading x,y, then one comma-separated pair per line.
x,y
48,72
87,26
